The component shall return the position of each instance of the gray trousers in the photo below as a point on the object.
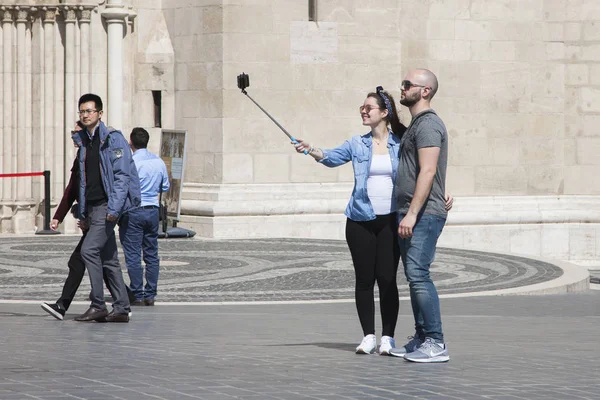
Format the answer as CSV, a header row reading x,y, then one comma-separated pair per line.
x,y
99,250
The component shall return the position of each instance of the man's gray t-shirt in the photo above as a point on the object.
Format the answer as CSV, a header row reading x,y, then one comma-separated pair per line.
x,y
425,130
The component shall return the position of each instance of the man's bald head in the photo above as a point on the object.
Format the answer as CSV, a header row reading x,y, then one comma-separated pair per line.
x,y
427,78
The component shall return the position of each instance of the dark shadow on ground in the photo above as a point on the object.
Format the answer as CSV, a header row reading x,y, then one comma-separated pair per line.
x,y
333,346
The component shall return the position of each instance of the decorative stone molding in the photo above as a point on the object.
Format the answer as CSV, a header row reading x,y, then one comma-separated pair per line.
x,y
23,14
114,13
70,13
34,13
19,13
265,199
331,198
7,14
85,14
48,14
131,16
503,210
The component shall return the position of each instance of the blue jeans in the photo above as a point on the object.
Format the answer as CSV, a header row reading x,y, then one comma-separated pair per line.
x,y
138,233
417,253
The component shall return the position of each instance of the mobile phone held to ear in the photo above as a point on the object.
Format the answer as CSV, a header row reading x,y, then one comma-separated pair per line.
x,y
80,125
243,81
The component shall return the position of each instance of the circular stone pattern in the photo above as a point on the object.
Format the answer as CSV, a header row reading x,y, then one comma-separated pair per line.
x,y
255,270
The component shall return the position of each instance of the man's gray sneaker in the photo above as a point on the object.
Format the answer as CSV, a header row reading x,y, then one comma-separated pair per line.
x,y
429,352
413,344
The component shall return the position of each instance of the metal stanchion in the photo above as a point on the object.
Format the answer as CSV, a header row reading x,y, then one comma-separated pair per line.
x,y
47,230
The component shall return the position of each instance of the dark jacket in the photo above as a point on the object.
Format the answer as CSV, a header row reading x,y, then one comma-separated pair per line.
x,y
70,194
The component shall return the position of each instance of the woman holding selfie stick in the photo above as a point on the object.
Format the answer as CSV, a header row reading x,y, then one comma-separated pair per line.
x,y
371,227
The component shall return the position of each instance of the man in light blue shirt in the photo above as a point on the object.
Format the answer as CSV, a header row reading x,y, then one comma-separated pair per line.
x,y
138,229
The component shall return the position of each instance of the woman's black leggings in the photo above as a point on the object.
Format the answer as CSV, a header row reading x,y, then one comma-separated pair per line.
x,y
375,254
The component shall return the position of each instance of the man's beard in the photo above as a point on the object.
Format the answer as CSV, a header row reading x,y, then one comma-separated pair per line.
x,y
410,101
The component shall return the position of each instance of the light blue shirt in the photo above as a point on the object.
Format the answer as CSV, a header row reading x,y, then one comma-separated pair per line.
x,y
152,171
359,150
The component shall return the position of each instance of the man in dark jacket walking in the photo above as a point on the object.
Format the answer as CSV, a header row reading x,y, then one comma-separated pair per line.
x,y
108,188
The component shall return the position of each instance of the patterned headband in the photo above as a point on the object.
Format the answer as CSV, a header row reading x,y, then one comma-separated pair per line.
x,y
388,105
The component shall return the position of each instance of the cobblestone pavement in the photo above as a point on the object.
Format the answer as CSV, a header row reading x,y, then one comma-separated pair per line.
x,y
501,347
256,270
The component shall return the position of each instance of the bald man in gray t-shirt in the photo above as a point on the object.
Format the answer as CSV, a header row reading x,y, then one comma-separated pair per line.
x,y
420,194
426,130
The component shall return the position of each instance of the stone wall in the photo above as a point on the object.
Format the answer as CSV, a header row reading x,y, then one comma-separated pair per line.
x,y
311,76
196,32
519,92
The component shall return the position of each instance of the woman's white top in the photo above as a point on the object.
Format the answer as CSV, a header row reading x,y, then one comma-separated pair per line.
x,y
380,185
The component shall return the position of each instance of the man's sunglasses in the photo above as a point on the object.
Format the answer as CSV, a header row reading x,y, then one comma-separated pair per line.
x,y
406,85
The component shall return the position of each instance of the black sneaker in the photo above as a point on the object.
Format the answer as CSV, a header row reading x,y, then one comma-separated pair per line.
x,y
54,309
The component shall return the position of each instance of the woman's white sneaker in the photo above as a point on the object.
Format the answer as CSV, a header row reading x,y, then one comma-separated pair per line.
x,y
386,345
368,345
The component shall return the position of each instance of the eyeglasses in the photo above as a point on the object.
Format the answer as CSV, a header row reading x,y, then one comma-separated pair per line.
x,y
86,112
406,85
367,108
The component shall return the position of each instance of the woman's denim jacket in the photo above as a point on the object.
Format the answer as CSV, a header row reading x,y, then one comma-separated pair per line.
x,y
359,150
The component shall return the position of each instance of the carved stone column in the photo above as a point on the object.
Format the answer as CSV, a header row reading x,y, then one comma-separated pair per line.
x,y
115,15
85,16
35,119
30,109
48,137
2,92
70,96
20,152
77,56
7,102
129,79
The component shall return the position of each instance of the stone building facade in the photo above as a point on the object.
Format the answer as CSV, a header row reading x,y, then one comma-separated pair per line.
x,y
519,93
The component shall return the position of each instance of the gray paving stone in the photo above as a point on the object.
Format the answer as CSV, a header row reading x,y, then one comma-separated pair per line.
x,y
516,347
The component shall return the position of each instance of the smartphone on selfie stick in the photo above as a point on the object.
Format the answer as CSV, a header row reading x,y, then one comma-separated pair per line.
x,y
243,81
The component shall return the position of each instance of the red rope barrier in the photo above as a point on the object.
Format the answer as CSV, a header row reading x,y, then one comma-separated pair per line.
x,y
46,175
22,174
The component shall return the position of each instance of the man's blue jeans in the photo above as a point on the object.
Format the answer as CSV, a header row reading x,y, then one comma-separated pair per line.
x,y
417,253
138,232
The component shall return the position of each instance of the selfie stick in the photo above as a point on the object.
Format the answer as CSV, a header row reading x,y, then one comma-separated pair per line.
x,y
243,83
